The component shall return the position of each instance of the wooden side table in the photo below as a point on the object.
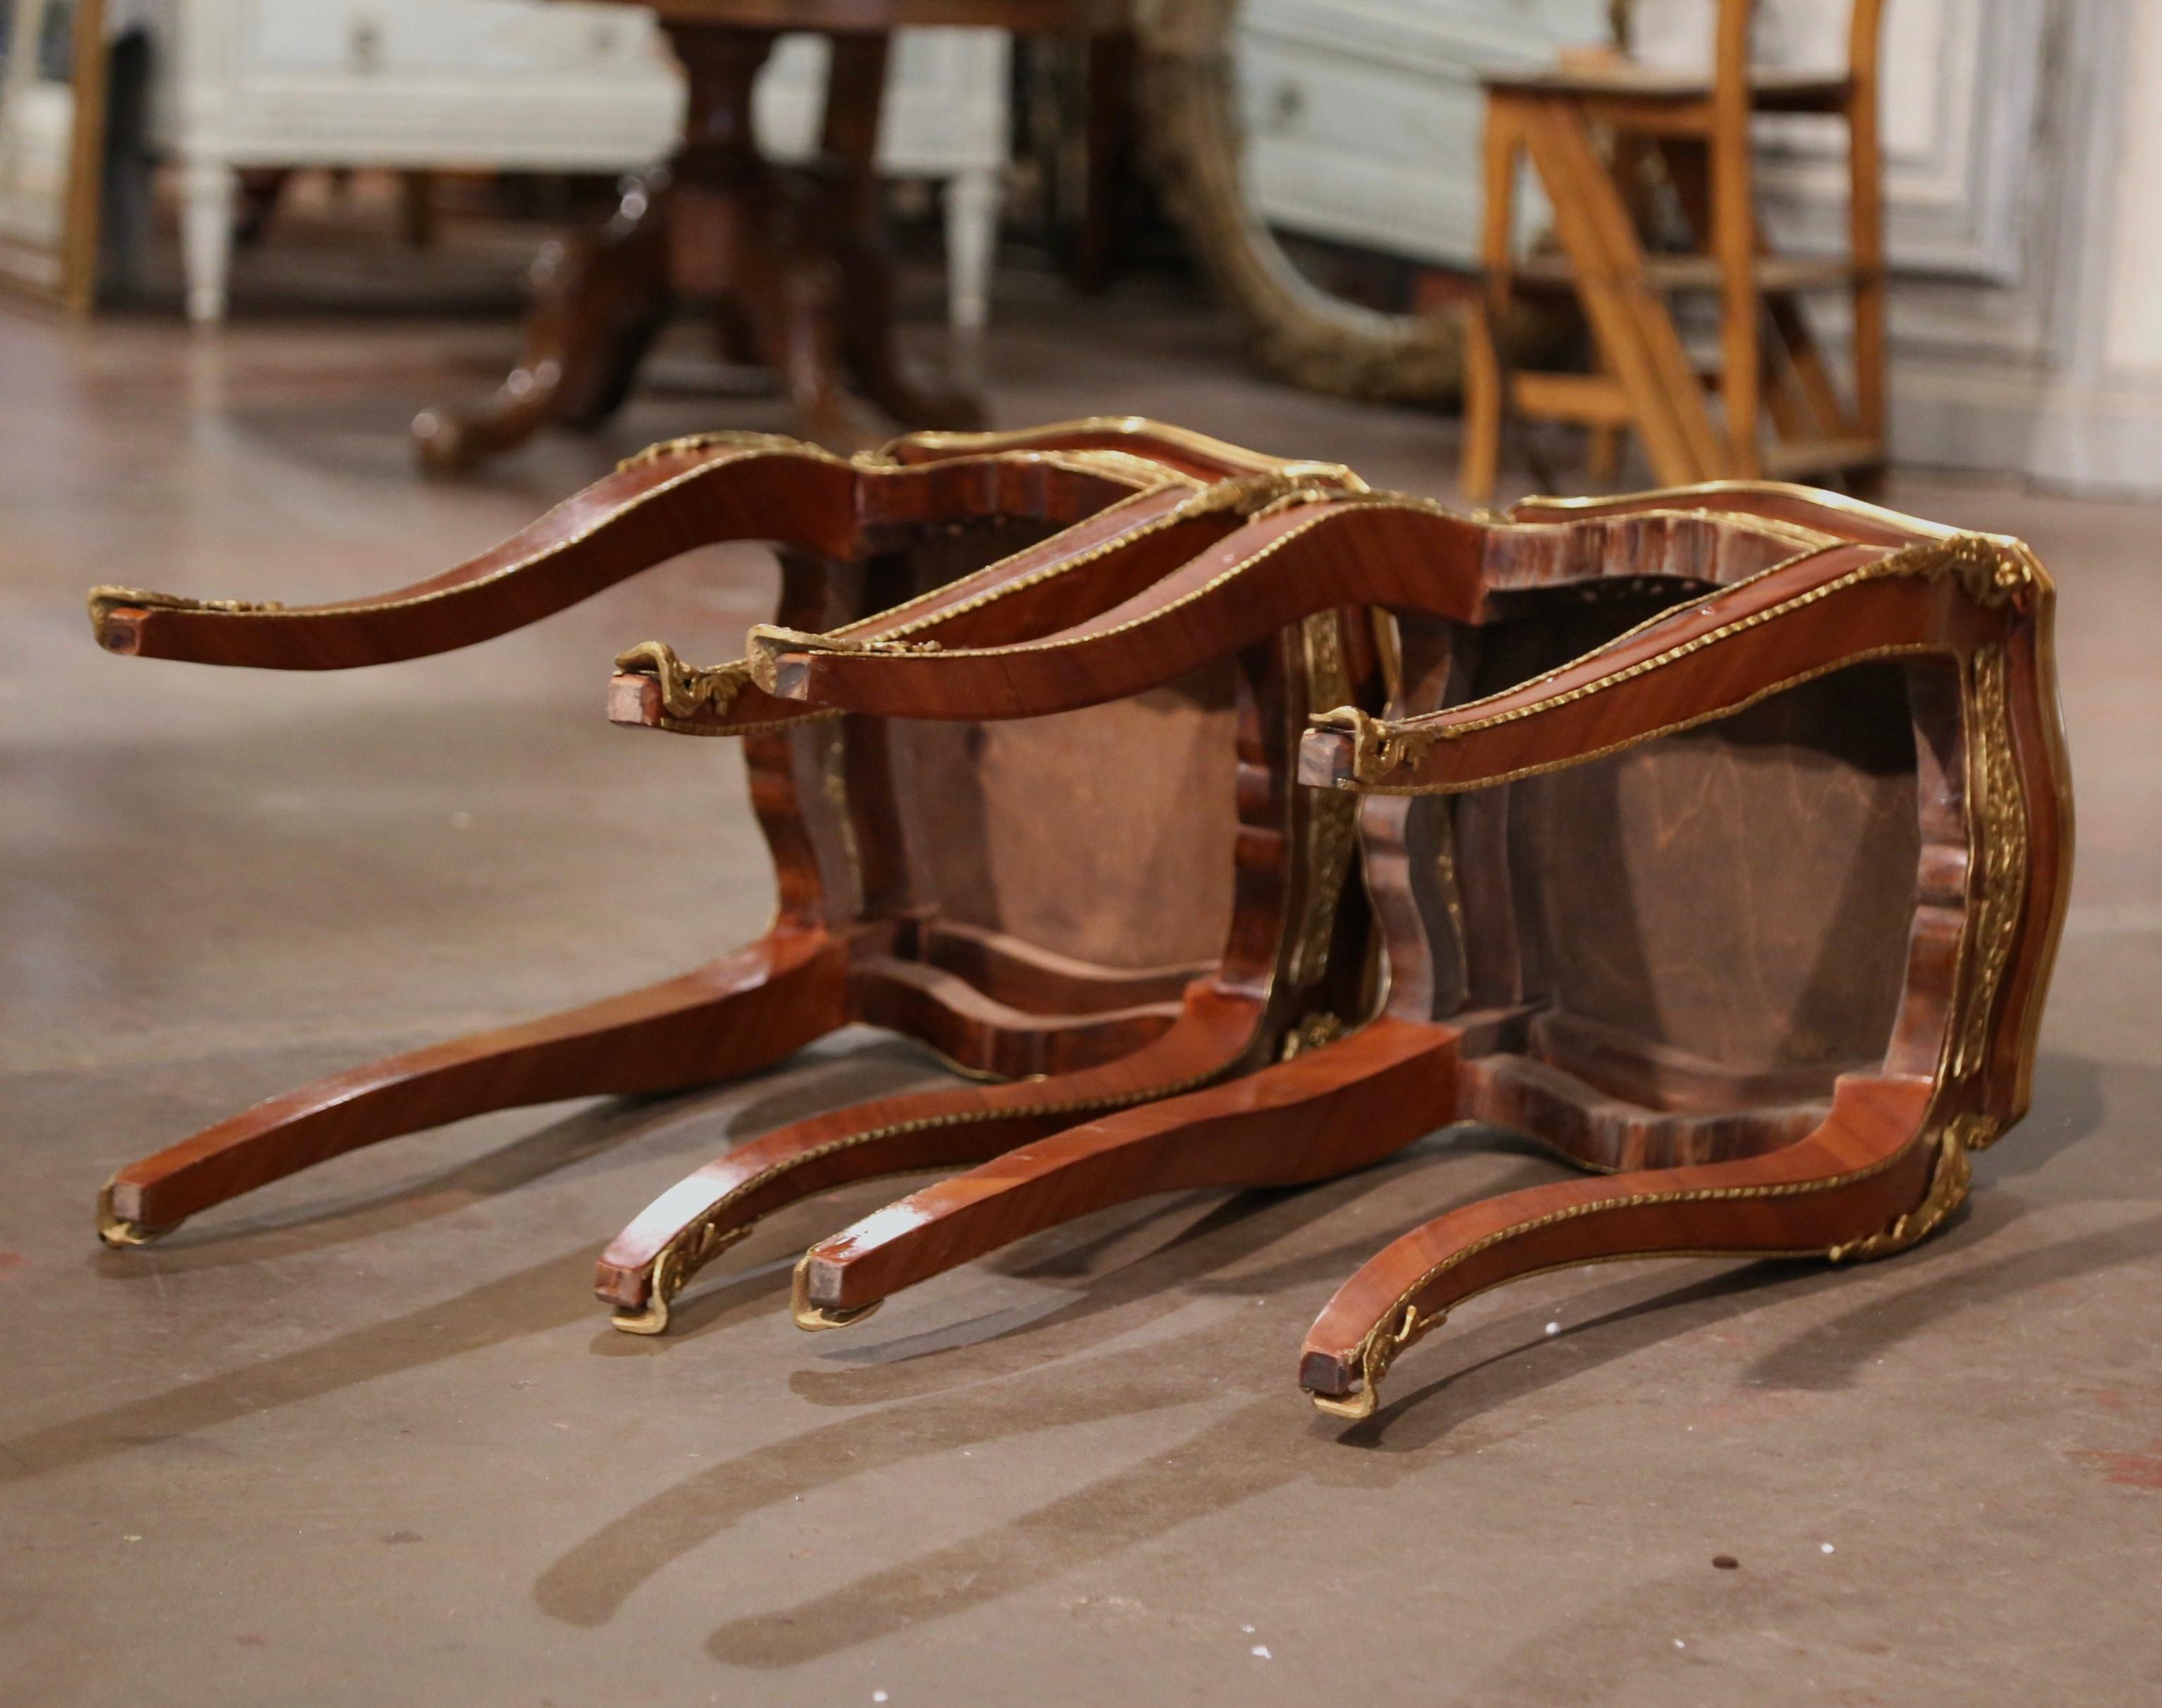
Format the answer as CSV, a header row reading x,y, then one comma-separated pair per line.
x,y
793,263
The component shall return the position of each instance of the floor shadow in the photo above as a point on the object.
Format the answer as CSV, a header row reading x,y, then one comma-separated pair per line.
x,y
1247,1452
1076,1259
590,1583
1234,1459
1827,1355
1016,1384
1822,1358
554,1294
1540,1167
1493,1365
2068,1108
547,1295
1204,1259
1023,1380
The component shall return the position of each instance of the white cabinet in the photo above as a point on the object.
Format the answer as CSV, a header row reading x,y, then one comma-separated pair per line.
x,y
2023,160
945,116
520,84
1363,118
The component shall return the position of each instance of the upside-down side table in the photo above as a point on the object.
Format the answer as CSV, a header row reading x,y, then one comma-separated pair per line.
x,y
793,263
1719,839
1171,933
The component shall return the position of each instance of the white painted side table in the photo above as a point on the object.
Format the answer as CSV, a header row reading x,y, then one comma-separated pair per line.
x,y
521,86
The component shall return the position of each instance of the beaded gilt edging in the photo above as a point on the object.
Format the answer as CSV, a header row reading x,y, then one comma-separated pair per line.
x,y
1990,573
1993,576
688,689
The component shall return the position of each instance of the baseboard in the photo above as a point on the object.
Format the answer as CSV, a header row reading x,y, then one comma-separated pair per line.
x,y
2084,436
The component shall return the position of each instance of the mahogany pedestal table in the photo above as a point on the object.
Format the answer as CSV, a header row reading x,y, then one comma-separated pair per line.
x,y
793,263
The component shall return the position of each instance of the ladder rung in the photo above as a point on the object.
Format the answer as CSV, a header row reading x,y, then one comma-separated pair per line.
x,y
1591,399
1777,273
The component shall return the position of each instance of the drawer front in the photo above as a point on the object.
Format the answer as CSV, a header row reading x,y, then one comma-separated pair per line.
x,y
1359,154
945,109
1363,123
451,37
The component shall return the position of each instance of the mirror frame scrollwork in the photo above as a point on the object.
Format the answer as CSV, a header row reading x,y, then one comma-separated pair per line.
x,y
1192,138
67,272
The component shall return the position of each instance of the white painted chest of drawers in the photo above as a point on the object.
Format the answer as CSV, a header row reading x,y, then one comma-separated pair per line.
x,y
1364,117
519,85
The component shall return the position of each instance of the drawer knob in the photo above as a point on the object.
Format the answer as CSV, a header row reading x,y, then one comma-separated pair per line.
x,y
364,45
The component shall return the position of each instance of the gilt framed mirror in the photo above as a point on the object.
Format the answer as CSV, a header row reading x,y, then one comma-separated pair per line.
x,y
52,128
1322,161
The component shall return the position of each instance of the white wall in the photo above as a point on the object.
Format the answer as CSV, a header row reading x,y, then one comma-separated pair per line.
x,y
2023,185
2024,191
2132,334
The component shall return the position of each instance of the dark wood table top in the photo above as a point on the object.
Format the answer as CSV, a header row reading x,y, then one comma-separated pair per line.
x,y
1022,16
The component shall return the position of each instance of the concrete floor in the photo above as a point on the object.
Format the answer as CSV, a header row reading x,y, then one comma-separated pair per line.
x,y
365,1438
